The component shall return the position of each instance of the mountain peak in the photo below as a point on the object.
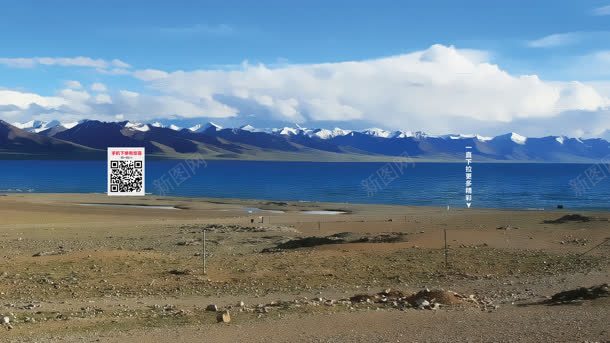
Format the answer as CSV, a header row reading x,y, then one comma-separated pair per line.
x,y
517,138
288,131
205,127
248,127
37,126
137,126
377,132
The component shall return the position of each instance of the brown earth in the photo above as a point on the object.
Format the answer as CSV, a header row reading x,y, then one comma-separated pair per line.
x,y
75,268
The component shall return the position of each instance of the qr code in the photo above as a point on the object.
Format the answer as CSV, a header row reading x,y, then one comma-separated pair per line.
x,y
126,177
126,171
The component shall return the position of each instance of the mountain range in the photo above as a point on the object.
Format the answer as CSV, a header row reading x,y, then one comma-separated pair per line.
x,y
90,138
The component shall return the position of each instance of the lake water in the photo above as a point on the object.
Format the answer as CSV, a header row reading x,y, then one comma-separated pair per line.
x,y
533,186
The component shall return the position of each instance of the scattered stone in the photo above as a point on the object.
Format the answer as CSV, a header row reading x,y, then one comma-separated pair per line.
x,y
223,317
49,253
181,272
212,308
189,242
361,298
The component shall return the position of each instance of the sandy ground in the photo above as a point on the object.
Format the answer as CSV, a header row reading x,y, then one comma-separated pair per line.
x,y
87,267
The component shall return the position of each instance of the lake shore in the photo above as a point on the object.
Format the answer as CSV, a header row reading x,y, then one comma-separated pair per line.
x,y
87,266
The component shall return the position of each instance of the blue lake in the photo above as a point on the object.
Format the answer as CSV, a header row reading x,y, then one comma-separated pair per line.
x,y
428,184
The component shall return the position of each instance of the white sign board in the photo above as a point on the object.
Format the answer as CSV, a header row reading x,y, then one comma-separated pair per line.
x,y
126,171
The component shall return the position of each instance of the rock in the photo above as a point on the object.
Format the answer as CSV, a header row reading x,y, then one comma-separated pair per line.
x,y
422,302
6,320
223,317
181,272
212,308
241,304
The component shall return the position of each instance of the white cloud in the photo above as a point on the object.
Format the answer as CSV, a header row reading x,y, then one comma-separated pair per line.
x,y
150,74
113,71
103,99
440,89
601,11
115,66
555,40
120,64
73,84
423,89
98,87
24,100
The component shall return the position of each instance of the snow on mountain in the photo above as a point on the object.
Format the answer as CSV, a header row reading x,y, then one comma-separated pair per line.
x,y
72,124
157,124
287,131
460,136
249,128
174,127
467,136
30,125
560,139
205,127
517,138
377,132
37,126
327,134
137,126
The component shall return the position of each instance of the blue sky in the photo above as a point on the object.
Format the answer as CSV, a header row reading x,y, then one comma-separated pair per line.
x,y
558,41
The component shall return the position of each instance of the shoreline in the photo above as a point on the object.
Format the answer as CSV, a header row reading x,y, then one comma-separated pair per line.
x,y
218,200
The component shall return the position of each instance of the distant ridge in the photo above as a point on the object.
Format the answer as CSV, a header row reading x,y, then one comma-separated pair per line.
x,y
209,140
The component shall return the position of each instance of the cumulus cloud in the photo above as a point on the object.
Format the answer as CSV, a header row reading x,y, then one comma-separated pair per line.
x,y
419,89
74,84
103,99
440,89
23,100
98,87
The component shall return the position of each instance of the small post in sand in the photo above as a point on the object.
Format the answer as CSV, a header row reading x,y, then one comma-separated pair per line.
x,y
446,255
204,253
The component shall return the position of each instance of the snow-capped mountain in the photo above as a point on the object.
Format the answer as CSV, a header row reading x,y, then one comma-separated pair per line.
x,y
37,126
249,128
517,138
235,142
47,128
327,134
205,127
139,126
376,132
287,131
